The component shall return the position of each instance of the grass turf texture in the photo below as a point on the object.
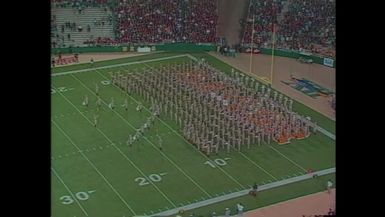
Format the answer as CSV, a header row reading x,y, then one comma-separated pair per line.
x,y
96,174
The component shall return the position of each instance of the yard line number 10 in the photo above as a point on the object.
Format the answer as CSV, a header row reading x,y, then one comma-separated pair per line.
x,y
217,162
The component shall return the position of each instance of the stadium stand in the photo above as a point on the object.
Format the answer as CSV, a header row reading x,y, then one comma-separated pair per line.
x,y
301,25
304,25
79,24
166,21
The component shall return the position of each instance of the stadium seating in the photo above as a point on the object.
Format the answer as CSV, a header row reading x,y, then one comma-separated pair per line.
x,y
265,13
308,23
166,21
300,24
98,19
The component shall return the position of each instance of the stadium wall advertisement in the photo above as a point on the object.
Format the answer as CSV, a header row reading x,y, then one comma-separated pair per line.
x,y
140,48
296,55
185,47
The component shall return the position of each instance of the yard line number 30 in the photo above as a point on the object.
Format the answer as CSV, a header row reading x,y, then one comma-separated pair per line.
x,y
81,195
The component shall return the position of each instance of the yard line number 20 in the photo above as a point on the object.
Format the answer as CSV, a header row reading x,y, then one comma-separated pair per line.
x,y
153,177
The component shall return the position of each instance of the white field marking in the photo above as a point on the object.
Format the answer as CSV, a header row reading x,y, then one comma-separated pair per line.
x,y
119,150
72,195
175,132
92,191
155,147
227,158
225,197
260,167
94,167
162,174
118,65
326,133
299,166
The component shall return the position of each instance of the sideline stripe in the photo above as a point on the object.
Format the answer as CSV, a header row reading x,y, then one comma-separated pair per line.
x,y
245,192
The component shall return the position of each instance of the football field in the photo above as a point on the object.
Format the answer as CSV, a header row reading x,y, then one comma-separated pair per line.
x,y
95,173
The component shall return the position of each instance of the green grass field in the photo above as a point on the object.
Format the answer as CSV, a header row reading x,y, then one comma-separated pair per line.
x,y
94,172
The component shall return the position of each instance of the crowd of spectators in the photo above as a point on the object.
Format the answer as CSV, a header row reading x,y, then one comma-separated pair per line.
x,y
264,13
166,21
307,25
79,3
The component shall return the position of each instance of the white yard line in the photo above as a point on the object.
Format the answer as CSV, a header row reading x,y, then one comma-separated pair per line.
x,y
244,192
69,191
232,178
164,155
117,65
326,133
94,167
120,151
260,167
299,166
